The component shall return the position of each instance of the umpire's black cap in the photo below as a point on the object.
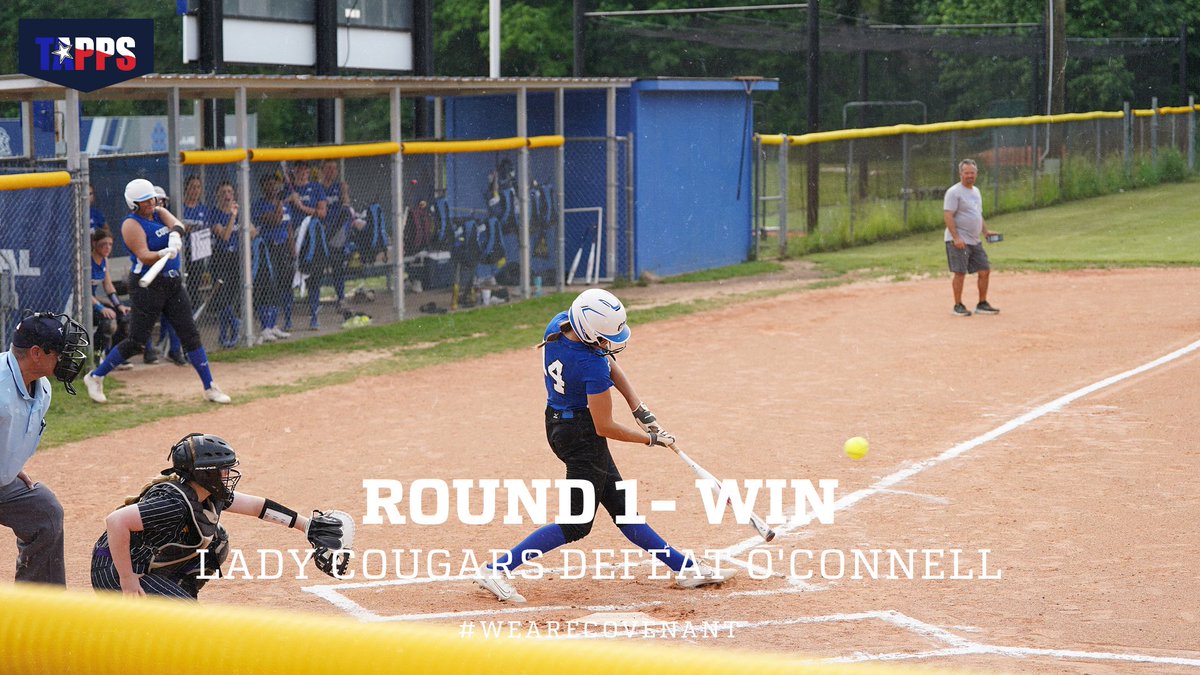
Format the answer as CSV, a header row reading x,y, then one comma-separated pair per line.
x,y
44,330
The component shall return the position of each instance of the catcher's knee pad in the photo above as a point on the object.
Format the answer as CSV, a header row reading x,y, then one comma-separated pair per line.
x,y
576,531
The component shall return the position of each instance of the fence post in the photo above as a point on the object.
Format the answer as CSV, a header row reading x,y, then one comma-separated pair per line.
x,y
1191,134
1127,135
610,200
244,215
396,130
1033,160
560,179
1099,154
756,190
783,196
83,225
953,157
1154,132
629,210
904,189
523,190
850,185
995,169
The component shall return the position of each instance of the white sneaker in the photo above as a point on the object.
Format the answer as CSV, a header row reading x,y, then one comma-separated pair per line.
x,y
95,387
214,394
703,574
495,581
267,335
281,334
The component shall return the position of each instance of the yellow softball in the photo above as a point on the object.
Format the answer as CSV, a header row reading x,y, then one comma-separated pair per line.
x,y
856,448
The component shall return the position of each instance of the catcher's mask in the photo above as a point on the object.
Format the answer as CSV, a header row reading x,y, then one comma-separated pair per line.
x,y
204,458
57,333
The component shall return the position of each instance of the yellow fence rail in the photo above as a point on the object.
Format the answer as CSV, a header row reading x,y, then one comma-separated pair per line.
x,y
314,153
938,127
25,181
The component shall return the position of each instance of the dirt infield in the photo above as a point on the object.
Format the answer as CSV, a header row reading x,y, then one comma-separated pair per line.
x,y
1085,504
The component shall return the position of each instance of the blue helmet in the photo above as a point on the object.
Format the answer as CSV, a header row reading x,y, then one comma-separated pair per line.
x,y
598,315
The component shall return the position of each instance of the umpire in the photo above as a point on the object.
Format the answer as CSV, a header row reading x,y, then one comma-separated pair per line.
x,y
43,344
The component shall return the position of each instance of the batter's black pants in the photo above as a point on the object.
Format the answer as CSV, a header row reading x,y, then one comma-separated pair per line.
x,y
164,297
586,454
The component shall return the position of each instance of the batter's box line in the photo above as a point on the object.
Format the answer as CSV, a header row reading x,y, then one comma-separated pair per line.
x,y
955,645
333,594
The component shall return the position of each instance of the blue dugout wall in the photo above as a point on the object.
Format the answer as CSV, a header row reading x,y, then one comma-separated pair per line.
x,y
692,173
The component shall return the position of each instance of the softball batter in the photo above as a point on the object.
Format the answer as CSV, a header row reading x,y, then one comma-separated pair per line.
x,y
579,421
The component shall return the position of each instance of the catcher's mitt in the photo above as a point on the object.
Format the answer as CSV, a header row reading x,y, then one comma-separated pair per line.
x,y
331,535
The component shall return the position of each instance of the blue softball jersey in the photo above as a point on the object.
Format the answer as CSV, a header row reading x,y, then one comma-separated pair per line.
x,y
572,369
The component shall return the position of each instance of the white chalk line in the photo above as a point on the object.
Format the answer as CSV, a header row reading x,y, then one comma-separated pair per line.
x,y
959,645
955,645
907,472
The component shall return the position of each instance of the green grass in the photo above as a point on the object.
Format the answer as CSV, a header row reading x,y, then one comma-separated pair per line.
x,y
745,269
1157,226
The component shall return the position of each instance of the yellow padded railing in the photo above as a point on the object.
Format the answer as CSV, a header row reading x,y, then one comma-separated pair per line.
x,y
25,181
50,630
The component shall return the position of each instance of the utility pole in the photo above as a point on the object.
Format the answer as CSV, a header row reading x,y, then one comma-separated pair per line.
x,y
580,33
212,60
1058,60
326,23
423,63
814,117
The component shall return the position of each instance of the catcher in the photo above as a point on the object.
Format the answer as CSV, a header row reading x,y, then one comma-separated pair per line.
x,y
152,544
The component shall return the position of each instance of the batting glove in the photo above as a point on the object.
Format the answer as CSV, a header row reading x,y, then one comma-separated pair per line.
x,y
646,419
661,438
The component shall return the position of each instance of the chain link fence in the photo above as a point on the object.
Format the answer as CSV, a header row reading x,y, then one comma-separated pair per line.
x,y
276,247
879,183
40,240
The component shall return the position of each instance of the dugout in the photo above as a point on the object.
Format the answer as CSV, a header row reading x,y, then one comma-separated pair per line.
x,y
676,191
660,169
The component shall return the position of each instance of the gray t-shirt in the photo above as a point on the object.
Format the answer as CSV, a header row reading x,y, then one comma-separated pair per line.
x,y
967,206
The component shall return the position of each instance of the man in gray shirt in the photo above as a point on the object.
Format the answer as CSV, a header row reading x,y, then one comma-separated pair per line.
x,y
962,210
43,344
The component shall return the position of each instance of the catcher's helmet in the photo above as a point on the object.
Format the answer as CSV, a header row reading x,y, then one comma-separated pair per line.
x,y
56,333
138,190
597,315
202,458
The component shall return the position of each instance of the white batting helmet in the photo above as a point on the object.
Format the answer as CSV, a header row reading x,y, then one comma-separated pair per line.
x,y
138,190
598,315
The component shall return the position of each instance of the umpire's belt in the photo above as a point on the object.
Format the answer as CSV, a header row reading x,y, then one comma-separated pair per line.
x,y
569,414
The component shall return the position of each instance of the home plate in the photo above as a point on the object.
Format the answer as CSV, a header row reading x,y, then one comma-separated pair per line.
x,y
619,620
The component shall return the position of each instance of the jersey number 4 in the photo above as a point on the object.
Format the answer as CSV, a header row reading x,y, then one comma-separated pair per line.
x,y
554,370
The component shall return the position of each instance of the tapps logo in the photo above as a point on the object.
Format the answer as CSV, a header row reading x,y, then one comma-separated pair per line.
x,y
86,54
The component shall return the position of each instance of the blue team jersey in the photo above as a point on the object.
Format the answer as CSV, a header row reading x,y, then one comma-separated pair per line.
x,y
312,193
156,240
95,218
336,208
98,271
218,217
572,370
195,217
272,234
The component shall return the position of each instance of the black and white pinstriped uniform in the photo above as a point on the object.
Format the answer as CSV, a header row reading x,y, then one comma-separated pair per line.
x,y
167,519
